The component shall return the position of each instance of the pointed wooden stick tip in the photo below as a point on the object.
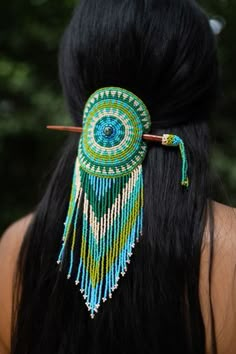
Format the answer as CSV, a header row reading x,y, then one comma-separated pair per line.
x,y
66,129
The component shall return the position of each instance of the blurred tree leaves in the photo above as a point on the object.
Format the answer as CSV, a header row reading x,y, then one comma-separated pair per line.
x,y
224,123
31,98
29,85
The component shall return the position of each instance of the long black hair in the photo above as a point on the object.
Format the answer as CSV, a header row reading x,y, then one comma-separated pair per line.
x,y
165,52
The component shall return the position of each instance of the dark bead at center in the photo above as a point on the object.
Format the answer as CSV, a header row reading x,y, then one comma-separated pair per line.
x,y
108,130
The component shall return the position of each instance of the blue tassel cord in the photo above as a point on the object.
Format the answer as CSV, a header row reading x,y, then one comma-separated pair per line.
x,y
174,140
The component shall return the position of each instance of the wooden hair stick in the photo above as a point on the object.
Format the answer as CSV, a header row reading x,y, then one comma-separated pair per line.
x,y
147,137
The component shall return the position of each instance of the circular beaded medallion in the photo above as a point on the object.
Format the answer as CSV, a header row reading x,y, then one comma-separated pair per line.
x,y
113,124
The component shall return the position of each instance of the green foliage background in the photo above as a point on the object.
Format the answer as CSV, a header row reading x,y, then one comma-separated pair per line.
x,y
31,98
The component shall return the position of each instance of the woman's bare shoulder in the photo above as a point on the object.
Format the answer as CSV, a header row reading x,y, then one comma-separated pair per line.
x,y
225,218
223,281
10,244
11,240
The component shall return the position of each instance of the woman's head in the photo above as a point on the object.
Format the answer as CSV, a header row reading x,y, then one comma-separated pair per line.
x,y
162,50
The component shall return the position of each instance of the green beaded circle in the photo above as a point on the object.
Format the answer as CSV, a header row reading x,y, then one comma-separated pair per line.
x,y
114,121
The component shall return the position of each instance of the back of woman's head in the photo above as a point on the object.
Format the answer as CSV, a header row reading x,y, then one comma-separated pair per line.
x,y
163,51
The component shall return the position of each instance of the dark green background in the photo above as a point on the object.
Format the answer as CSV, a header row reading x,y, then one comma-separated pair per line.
x,y
31,98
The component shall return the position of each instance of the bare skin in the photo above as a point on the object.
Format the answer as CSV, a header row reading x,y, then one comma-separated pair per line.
x,y
223,279
10,244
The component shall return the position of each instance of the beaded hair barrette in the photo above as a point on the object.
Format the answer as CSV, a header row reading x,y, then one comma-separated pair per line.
x,y
108,191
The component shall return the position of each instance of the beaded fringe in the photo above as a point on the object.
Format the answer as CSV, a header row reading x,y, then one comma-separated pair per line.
x,y
112,217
